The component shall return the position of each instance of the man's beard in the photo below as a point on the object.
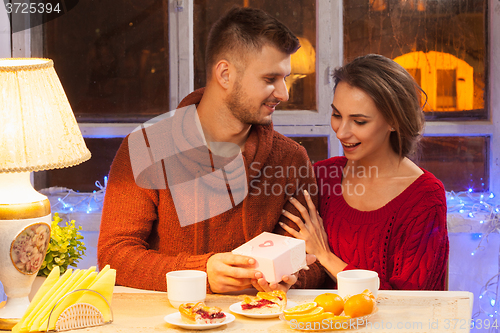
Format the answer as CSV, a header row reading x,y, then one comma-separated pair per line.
x,y
240,107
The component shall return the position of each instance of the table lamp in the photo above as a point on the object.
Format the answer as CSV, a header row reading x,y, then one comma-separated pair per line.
x,y
38,131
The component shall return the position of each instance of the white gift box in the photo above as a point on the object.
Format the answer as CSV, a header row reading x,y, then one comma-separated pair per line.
x,y
276,255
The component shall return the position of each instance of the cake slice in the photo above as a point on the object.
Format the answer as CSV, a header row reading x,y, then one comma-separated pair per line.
x,y
265,302
199,313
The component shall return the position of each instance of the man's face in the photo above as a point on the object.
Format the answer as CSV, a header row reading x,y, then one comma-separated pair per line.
x,y
260,87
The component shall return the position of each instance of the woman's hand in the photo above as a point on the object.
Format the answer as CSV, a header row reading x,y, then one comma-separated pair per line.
x,y
311,229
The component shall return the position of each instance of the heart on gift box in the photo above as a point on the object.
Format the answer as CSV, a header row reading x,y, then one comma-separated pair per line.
x,y
29,14
267,243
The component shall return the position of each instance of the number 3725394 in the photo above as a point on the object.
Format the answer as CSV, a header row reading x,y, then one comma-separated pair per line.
x,y
474,323
32,8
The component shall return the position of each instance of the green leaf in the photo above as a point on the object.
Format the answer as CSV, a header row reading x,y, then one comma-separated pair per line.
x,y
65,248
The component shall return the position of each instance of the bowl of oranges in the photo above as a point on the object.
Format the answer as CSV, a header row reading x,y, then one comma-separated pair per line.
x,y
329,312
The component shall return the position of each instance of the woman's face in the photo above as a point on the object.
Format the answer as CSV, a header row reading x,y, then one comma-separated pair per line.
x,y
360,126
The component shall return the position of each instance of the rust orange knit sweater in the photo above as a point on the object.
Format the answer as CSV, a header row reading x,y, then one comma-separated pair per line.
x,y
141,236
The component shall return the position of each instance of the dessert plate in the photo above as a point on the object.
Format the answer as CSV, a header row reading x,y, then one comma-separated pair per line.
x,y
236,308
175,319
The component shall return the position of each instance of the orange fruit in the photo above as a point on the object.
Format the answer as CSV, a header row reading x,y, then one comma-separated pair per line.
x,y
305,316
360,304
369,293
301,308
331,303
321,316
314,317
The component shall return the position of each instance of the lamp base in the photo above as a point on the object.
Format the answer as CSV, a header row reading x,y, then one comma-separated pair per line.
x,y
9,314
13,307
8,324
23,244
25,221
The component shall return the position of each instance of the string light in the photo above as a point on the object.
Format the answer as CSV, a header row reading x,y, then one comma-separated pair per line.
x,y
474,205
77,202
466,202
489,298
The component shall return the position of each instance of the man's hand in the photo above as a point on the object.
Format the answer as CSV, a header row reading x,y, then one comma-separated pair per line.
x,y
286,283
231,272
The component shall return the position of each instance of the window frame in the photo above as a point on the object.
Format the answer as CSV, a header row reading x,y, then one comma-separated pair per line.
x,y
5,34
491,126
329,25
329,56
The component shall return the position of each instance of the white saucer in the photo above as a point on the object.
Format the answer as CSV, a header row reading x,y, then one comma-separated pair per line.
x,y
236,308
175,319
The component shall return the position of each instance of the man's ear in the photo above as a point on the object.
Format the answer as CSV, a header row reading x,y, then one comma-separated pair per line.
x,y
222,71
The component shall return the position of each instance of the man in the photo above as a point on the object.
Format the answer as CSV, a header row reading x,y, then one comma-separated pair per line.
x,y
144,233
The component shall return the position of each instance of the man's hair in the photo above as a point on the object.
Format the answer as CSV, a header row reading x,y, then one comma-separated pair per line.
x,y
243,30
395,93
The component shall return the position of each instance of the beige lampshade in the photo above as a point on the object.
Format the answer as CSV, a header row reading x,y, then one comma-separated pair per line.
x,y
38,130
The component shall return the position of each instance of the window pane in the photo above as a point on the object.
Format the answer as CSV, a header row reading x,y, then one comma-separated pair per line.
x,y
459,162
298,15
446,96
316,147
82,177
112,58
441,43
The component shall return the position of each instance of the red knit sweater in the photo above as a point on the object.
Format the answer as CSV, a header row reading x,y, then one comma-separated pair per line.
x,y
141,236
405,241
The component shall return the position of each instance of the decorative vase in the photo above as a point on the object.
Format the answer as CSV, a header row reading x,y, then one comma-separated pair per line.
x,y
24,238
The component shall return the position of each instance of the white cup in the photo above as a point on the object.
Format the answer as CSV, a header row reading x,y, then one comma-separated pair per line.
x,y
188,286
356,281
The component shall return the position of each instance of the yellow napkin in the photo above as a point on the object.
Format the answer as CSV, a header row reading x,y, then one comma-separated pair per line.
x,y
55,288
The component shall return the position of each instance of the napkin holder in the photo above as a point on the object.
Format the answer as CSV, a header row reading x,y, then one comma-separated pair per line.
x,y
79,315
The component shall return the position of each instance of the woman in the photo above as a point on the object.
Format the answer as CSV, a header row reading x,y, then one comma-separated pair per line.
x,y
380,211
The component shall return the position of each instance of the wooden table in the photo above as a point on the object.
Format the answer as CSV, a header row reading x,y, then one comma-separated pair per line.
x,y
398,311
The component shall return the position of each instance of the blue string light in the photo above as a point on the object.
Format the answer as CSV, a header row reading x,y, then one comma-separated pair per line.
x,y
474,205
468,203
77,202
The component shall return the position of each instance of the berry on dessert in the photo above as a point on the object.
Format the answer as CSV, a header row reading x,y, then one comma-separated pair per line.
x,y
265,302
199,313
